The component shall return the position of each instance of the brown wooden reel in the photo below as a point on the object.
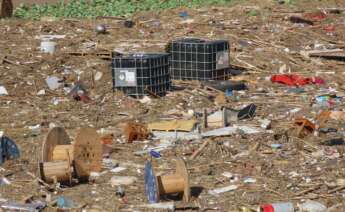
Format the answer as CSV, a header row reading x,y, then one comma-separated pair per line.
x,y
175,183
85,155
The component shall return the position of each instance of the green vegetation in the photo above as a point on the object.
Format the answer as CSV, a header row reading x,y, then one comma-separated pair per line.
x,y
94,8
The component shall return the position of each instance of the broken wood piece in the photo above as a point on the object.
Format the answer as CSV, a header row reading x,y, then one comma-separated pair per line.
x,y
173,125
217,119
300,20
331,54
102,55
201,148
322,118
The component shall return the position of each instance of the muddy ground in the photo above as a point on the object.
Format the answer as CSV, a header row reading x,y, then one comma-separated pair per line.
x,y
262,42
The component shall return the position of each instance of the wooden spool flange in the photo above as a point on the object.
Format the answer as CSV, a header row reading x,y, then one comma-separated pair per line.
x,y
156,186
56,137
87,152
56,157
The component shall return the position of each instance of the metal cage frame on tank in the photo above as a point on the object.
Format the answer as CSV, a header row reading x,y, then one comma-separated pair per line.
x,y
141,74
198,59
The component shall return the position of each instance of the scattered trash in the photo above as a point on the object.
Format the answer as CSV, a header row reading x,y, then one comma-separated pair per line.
x,y
327,101
162,205
35,206
278,207
334,142
65,203
145,100
304,127
101,28
118,169
122,180
47,46
155,154
3,91
316,16
79,93
129,23
98,76
224,86
41,92
8,149
183,14
247,112
265,124
300,20
226,131
120,191
296,80
327,130
249,180
218,191
4,181
312,206
53,82
276,146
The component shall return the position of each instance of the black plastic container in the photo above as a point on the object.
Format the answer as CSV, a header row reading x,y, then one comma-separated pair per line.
x,y
196,59
140,74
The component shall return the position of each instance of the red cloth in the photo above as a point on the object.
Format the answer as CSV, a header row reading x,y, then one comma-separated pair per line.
x,y
295,80
267,208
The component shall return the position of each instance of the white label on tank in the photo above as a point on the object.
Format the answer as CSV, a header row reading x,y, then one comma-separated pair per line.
x,y
130,77
125,77
222,60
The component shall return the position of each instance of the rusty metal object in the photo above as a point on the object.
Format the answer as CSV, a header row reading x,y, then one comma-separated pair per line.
x,y
6,9
303,127
135,131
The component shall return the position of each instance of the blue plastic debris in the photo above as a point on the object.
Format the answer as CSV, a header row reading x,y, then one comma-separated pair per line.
x,y
155,154
151,184
229,92
276,146
63,202
8,149
184,15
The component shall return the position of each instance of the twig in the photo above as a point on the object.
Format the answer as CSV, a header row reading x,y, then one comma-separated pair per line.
x,y
307,190
336,189
38,179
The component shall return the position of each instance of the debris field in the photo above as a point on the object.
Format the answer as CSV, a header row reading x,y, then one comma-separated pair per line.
x,y
287,147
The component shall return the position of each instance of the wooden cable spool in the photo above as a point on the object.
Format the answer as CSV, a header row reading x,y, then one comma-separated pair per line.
x,y
156,186
87,152
61,160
